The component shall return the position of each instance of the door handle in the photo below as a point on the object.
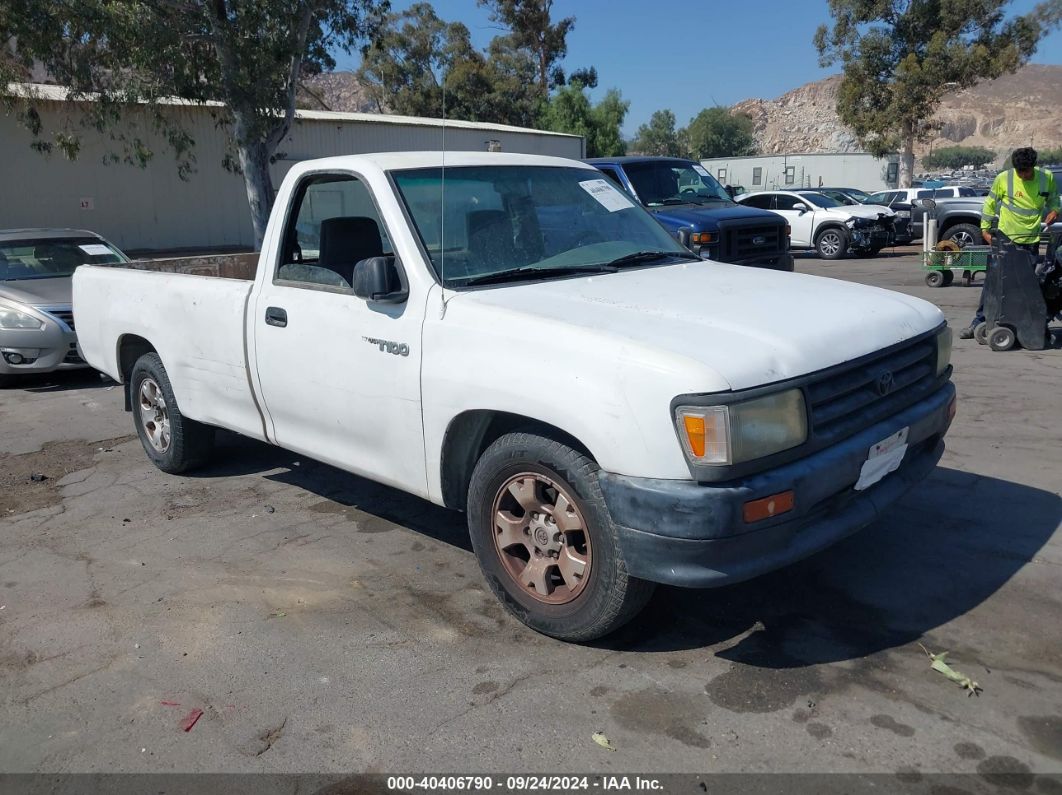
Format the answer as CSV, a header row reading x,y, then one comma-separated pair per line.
x,y
275,316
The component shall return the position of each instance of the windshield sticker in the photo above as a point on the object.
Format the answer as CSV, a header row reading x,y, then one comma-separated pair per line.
x,y
96,250
607,196
701,170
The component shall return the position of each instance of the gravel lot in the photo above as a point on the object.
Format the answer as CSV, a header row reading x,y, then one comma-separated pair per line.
x,y
326,624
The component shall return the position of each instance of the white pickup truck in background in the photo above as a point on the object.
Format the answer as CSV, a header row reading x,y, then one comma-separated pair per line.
x,y
511,336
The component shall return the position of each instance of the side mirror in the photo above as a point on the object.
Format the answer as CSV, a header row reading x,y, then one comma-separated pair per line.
x,y
925,204
801,208
380,279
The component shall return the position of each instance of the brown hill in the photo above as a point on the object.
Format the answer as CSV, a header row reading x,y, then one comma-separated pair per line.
x,y
339,91
1022,109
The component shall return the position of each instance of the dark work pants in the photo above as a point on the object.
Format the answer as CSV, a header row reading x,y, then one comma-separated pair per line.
x,y
999,242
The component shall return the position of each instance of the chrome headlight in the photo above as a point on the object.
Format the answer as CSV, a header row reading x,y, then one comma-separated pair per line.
x,y
739,432
11,318
943,350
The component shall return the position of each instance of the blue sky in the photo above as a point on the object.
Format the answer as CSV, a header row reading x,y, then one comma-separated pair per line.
x,y
688,54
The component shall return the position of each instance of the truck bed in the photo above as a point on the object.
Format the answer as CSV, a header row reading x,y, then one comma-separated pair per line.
x,y
196,327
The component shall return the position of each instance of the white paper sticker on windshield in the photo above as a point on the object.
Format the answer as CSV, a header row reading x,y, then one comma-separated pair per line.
x,y
607,196
701,170
96,250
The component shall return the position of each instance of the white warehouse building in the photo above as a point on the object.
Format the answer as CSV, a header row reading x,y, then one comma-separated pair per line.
x,y
152,208
782,172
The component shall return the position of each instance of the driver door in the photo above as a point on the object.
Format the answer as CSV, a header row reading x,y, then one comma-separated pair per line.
x,y
801,218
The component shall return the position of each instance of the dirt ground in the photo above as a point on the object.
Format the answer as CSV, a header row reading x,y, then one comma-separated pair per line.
x,y
323,623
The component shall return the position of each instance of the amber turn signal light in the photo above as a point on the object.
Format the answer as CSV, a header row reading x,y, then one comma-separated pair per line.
x,y
767,507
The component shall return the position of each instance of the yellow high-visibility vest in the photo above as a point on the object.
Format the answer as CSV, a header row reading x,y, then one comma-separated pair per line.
x,y
1020,204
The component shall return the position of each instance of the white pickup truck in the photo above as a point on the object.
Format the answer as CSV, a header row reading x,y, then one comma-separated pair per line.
x,y
509,335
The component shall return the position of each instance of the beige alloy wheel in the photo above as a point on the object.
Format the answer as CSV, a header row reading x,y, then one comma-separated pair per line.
x,y
541,538
154,415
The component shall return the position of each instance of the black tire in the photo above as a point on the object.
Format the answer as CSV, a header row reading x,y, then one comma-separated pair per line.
x,y
832,243
949,277
609,596
981,333
935,278
1001,339
964,235
188,444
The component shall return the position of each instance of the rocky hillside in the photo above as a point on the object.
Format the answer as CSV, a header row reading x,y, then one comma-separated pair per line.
x,y
1016,110
340,91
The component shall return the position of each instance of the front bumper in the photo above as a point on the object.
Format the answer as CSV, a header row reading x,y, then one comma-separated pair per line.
x,y
871,238
775,262
685,533
53,347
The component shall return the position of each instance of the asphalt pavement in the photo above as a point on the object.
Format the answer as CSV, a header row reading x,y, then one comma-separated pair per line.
x,y
322,623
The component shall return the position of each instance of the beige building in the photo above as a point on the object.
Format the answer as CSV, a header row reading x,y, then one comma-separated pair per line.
x,y
152,208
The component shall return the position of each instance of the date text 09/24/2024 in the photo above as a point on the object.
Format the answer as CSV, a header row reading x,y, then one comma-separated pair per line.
x,y
521,783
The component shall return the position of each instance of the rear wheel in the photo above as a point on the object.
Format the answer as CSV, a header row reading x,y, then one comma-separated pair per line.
x,y
832,243
545,541
981,333
174,443
949,277
964,235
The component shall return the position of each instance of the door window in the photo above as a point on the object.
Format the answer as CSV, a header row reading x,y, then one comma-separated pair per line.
x,y
333,225
762,201
789,203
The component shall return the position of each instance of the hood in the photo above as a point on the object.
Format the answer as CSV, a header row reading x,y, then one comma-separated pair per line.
x,y
38,292
748,326
710,214
871,211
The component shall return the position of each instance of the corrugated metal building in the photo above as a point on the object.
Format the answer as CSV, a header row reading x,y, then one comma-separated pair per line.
x,y
781,172
152,208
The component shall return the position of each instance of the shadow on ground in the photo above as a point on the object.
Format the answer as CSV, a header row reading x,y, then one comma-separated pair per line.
x,y
59,381
939,553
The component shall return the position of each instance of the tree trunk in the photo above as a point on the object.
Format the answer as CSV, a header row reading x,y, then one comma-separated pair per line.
x,y
254,161
907,159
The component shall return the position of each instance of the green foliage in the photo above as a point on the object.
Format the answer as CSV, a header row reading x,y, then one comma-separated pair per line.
x,y
1044,157
716,132
127,55
531,28
659,136
901,56
953,157
569,111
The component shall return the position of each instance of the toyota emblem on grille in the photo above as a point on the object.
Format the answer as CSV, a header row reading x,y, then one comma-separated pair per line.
x,y
759,240
885,383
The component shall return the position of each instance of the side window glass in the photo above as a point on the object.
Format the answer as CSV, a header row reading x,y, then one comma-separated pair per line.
x,y
333,225
762,202
789,203
924,194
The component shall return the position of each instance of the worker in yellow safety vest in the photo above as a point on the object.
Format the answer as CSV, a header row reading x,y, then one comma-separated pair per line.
x,y
1021,199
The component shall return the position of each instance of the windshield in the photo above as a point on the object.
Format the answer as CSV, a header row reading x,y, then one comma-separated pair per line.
x,y
669,182
53,257
491,219
820,199
839,197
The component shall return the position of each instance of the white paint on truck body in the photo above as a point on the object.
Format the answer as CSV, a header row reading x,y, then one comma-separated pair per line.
x,y
599,357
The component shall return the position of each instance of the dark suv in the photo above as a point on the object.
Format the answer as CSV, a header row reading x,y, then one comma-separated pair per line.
x,y
697,210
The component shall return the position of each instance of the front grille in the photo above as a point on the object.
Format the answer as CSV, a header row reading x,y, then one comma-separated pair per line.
x,y
65,314
846,401
72,356
746,242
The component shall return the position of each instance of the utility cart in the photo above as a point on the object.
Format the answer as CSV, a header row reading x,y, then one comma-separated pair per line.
x,y
946,259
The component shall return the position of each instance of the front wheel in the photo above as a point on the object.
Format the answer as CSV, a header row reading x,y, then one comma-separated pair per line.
x,y
1001,339
935,278
832,243
174,443
545,540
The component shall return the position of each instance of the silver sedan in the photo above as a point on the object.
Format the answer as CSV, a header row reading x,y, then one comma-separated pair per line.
x,y
36,318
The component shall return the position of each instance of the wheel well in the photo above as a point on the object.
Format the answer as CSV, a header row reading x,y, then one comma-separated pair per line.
x,y
956,220
472,432
130,349
829,225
